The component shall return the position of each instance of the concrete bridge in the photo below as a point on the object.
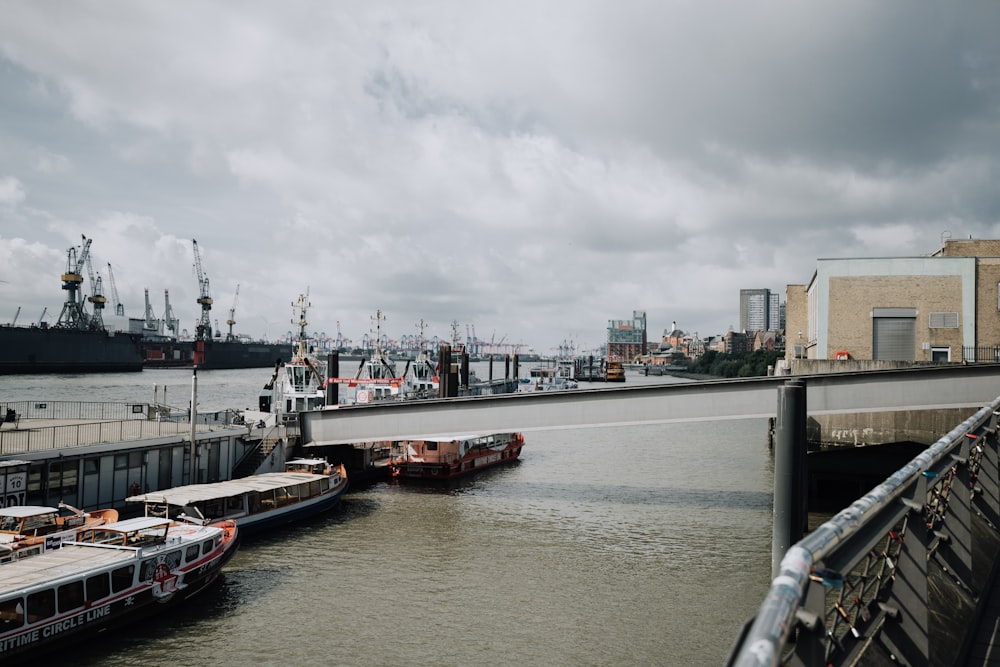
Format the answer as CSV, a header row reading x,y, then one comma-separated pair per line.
x,y
917,404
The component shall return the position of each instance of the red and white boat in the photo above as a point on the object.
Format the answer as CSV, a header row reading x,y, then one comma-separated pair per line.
x,y
111,575
448,458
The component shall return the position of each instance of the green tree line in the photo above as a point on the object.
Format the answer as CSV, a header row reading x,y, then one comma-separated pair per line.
x,y
736,365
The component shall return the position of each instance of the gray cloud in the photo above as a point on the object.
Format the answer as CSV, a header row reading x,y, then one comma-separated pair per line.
x,y
533,170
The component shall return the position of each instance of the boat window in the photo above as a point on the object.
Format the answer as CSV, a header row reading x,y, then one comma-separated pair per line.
x,y
41,604
206,547
147,569
11,614
173,560
121,578
98,587
234,503
253,502
314,489
212,509
324,484
431,446
192,553
70,596
9,523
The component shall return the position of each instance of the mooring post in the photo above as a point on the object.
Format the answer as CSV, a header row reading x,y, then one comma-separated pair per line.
x,y
444,370
194,425
790,480
332,396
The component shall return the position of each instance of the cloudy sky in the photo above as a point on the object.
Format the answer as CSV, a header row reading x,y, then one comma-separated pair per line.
x,y
529,169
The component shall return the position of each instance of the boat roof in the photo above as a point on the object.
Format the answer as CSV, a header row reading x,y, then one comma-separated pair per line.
x,y
310,462
193,493
138,523
21,511
67,562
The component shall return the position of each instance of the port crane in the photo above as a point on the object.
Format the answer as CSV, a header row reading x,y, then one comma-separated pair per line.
x,y
119,307
232,313
149,319
204,329
73,316
96,298
171,322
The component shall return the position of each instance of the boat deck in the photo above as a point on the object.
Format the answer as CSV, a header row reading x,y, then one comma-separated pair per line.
x,y
51,566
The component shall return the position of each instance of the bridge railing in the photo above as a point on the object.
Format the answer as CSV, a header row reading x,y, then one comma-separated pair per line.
x,y
898,571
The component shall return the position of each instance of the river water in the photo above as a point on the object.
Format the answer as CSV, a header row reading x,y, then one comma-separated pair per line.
x,y
632,545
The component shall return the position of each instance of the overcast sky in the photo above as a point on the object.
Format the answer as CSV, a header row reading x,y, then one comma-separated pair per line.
x,y
529,169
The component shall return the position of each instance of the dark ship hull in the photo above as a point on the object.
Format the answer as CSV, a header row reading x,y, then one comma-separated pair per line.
x,y
213,354
30,350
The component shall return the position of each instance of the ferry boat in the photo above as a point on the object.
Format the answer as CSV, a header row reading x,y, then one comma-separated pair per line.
x,y
448,458
307,487
112,575
28,530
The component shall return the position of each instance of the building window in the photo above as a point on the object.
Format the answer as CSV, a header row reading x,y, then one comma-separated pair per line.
x,y
940,354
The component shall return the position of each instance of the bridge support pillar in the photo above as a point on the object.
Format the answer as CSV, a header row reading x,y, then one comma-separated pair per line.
x,y
790,474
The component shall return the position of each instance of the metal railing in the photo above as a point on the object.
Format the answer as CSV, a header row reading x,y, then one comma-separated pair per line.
x,y
75,410
982,353
99,423
865,573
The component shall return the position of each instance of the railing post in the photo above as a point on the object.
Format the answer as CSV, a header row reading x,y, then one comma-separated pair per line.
x,y
907,628
957,549
790,480
810,639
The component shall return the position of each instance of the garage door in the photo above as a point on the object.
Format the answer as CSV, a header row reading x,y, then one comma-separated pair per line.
x,y
894,332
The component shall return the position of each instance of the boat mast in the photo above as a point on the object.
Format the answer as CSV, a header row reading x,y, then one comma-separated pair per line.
x,y
302,304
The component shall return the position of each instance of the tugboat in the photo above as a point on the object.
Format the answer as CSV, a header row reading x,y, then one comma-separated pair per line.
x,y
296,385
448,458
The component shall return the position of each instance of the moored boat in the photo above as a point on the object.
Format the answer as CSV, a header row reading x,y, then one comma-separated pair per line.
x,y
615,372
307,487
448,458
112,575
28,530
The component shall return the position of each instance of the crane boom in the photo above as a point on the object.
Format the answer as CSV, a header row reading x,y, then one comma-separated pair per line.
x,y
204,328
119,307
232,313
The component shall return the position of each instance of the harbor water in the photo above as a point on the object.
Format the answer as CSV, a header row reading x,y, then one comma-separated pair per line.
x,y
628,545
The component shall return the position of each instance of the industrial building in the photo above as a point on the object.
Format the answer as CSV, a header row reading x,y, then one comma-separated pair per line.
x,y
944,307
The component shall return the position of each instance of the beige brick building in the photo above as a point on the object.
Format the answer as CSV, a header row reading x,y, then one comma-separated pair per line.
x,y
943,307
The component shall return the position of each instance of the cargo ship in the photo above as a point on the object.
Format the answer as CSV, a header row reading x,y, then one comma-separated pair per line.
x,y
213,354
30,350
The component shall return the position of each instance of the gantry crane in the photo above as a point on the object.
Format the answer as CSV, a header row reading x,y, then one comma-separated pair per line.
x,y
204,329
232,313
171,322
73,316
119,306
96,298
149,319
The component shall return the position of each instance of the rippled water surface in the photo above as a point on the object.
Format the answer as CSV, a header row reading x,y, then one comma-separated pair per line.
x,y
634,545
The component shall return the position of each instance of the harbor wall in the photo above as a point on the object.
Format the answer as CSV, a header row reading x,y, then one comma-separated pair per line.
x,y
860,429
